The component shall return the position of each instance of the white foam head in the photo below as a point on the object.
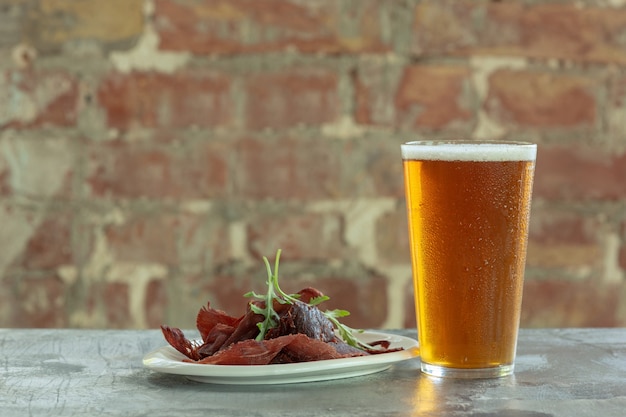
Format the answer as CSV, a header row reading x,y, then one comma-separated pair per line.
x,y
469,151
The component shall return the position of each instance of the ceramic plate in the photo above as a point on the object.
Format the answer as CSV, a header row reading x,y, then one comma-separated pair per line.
x,y
168,360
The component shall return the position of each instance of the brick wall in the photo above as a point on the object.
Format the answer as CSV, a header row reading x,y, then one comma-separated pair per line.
x,y
152,151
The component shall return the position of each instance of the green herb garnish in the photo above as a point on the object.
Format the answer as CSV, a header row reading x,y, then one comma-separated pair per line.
x,y
271,317
274,293
345,332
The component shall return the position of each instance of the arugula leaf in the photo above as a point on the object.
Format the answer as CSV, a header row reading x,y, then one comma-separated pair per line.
x,y
346,333
275,293
318,300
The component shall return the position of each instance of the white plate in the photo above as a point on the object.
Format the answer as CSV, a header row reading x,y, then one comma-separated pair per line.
x,y
168,360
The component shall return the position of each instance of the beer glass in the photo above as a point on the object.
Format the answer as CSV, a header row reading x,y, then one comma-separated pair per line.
x,y
468,207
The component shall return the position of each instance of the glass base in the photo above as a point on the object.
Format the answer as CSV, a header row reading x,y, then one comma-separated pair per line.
x,y
466,373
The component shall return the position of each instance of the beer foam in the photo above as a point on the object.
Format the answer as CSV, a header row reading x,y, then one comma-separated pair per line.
x,y
469,151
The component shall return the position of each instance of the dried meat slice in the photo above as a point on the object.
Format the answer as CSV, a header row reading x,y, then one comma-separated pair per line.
x,y
305,349
248,352
215,340
303,318
178,341
283,349
209,317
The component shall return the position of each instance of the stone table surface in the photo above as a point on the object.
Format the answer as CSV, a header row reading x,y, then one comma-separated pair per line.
x,y
68,372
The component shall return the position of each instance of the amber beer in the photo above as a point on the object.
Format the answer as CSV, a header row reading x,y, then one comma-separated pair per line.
x,y
468,206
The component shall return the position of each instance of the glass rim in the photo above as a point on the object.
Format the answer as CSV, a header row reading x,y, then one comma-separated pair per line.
x,y
469,150
456,142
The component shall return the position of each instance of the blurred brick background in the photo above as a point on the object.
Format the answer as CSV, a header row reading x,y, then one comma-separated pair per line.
x,y
152,151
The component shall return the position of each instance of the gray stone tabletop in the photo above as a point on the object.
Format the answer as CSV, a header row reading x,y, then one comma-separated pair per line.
x,y
52,372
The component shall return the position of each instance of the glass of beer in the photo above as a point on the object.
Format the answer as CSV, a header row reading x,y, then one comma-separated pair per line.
x,y
468,207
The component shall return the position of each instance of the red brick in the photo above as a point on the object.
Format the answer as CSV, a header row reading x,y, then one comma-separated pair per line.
x,y
41,302
38,98
287,169
145,238
50,244
134,170
155,303
531,99
183,99
177,240
544,31
557,226
564,303
392,237
222,26
565,240
317,168
290,98
373,95
36,239
116,300
364,297
579,173
310,237
225,290
432,97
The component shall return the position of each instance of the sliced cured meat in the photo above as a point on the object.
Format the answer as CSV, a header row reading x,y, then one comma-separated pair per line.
x,y
215,340
305,319
305,349
283,349
208,318
302,333
249,352
178,341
